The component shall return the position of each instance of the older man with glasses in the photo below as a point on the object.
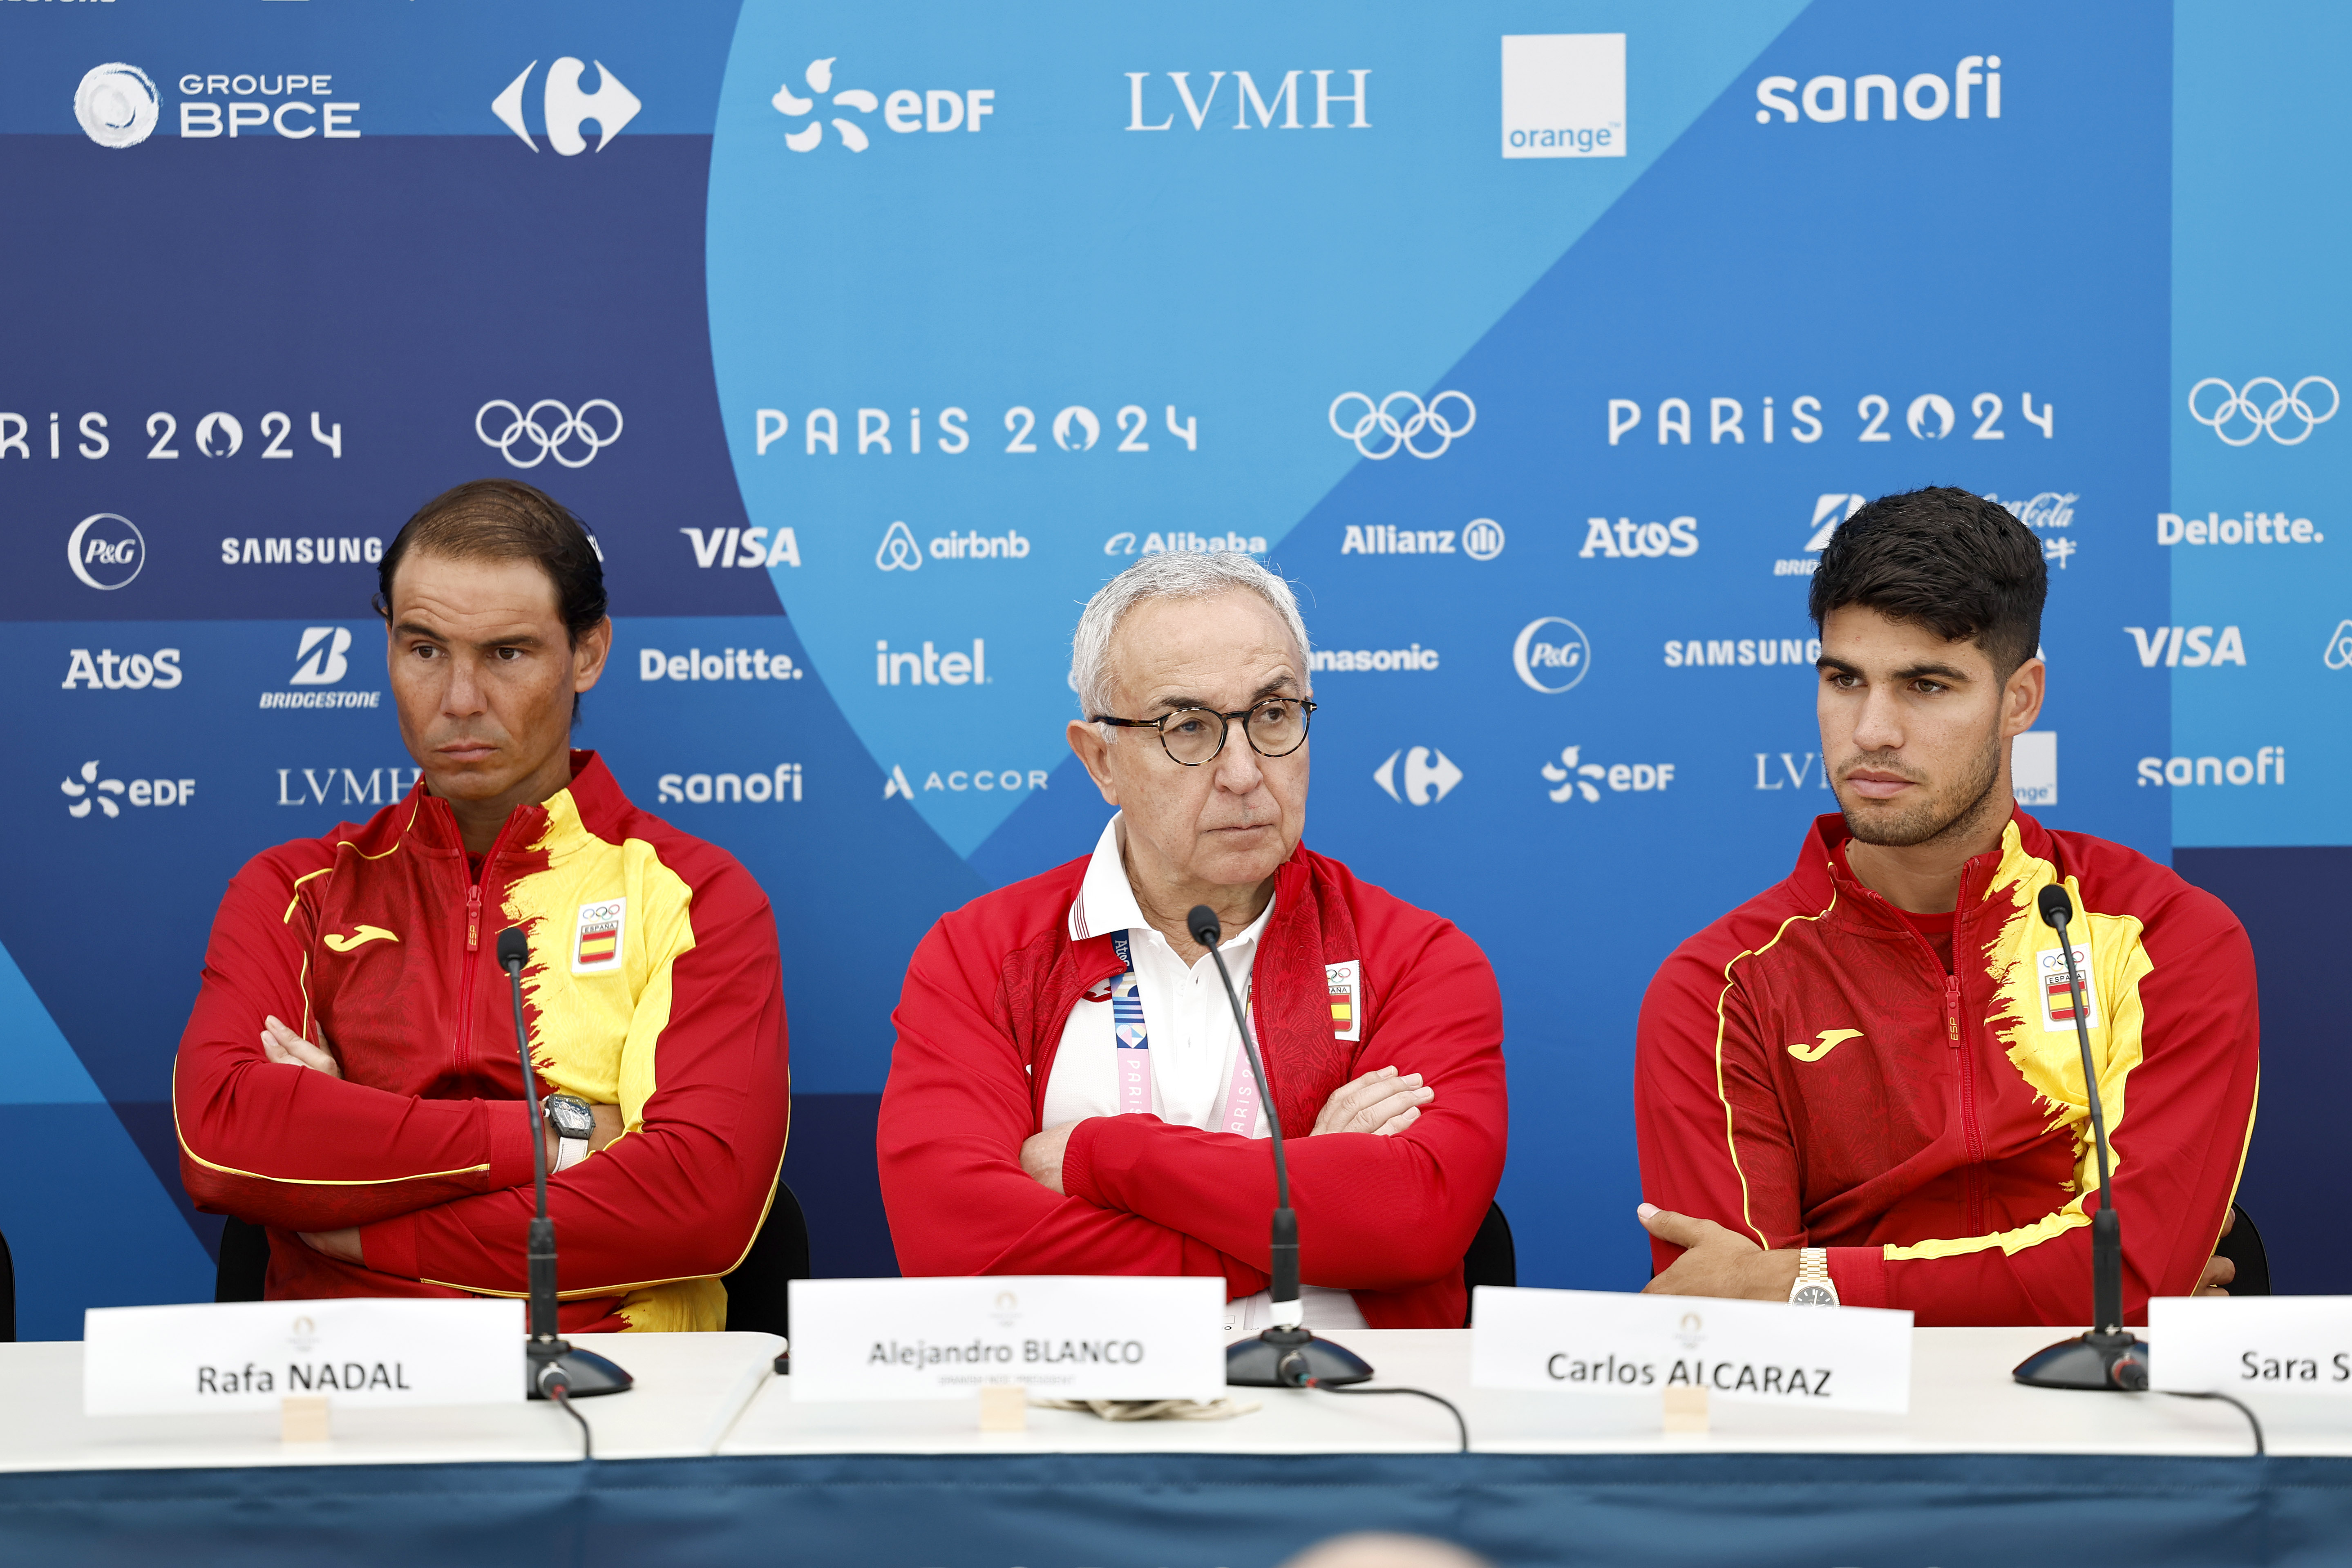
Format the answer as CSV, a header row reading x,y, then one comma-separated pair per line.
x,y
1068,1094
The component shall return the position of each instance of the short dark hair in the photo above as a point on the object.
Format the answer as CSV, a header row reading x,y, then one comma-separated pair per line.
x,y
506,519
1955,563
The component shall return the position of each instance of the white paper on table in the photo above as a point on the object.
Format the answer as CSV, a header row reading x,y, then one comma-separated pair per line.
x,y
2250,1345
1599,1342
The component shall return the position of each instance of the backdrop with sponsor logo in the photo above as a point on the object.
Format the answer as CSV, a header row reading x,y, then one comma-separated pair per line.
x,y
1540,345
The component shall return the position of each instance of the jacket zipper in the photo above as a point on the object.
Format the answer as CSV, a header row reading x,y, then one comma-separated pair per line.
x,y
461,1054
1965,1065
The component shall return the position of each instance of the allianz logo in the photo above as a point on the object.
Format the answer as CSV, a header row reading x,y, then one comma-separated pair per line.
x,y
2267,766
1125,542
1481,539
1075,428
345,786
903,667
760,787
320,659
1717,652
1824,99
84,788
1429,775
724,664
1628,538
121,671
2187,647
899,552
2247,528
963,780
746,548
1573,778
1381,660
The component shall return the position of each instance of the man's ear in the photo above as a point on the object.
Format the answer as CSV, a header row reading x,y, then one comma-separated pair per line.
x,y
2021,697
589,655
1093,755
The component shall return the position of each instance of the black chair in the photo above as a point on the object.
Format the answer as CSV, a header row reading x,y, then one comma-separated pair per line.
x,y
1493,1259
7,1295
756,1292
2243,1246
244,1261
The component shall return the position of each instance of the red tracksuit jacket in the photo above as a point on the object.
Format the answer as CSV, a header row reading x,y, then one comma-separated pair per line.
x,y
654,986
1808,1074
980,1018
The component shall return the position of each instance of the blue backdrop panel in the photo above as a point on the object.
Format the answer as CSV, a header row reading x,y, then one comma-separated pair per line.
x,y
870,339
1188,1511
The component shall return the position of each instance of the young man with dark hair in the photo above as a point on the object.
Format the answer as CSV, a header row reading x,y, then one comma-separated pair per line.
x,y
349,1077
1863,1086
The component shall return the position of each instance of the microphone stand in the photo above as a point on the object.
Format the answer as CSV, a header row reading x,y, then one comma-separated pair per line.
x,y
1287,1354
2109,1356
557,1370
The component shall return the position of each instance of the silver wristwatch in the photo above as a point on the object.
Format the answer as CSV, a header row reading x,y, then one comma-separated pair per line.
x,y
573,1120
1814,1288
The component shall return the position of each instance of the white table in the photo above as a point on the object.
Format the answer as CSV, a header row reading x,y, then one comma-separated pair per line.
x,y
689,1390
1963,1400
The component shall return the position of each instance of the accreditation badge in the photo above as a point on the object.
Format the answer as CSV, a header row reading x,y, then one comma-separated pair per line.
x,y
596,938
1345,981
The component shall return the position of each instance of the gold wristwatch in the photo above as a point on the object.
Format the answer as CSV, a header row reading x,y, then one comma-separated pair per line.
x,y
1814,1288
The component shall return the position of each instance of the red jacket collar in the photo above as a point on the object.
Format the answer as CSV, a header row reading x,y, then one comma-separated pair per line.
x,y
1817,879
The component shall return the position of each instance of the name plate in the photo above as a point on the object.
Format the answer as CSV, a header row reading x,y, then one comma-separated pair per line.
x,y
251,1355
1062,1336
1595,1341
2250,1344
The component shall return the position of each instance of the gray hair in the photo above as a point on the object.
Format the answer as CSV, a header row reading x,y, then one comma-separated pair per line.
x,y
1178,574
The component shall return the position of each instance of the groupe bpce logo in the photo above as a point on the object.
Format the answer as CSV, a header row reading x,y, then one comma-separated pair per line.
x,y
568,427
116,105
1379,434
819,77
2240,409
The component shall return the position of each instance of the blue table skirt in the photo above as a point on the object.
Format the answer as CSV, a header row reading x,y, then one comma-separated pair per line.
x,y
1195,1511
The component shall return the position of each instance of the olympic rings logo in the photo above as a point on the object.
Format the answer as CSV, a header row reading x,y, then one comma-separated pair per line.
x,y
568,427
1379,427
2264,418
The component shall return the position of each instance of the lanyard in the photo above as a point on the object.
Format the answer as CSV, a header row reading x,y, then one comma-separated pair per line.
x,y
1132,1040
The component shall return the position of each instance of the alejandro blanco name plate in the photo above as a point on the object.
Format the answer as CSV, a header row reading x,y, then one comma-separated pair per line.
x,y
251,1355
1063,1336
1595,1341
2250,1345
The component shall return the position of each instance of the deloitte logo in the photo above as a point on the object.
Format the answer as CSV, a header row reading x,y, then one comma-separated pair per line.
x,y
116,105
106,551
1551,655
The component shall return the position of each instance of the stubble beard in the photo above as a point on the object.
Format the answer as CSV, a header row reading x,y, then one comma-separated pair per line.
x,y
1934,817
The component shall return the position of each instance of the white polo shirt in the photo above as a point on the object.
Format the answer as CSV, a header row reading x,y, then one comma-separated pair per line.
x,y
1195,1048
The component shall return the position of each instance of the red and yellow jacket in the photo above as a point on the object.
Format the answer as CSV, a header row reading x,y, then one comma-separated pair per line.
x,y
654,986
980,1021
1809,1075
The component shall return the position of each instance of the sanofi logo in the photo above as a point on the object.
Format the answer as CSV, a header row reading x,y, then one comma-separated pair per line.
x,y
1824,99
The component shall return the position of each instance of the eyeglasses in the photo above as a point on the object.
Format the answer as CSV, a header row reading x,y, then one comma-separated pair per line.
x,y
1193,736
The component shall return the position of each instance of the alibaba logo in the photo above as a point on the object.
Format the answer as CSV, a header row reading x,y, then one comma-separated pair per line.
x,y
359,937
1826,1041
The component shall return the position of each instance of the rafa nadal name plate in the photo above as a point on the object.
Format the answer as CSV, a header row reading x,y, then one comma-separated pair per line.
x,y
2250,1345
1596,1341
252,1355
1065,1336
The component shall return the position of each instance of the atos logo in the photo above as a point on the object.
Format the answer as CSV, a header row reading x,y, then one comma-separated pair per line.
x,y
905,112
1551,655
86,789
1429,775
106,551
566,108
121,671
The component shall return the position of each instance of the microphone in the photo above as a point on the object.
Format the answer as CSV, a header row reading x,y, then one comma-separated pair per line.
x,y
2109,1356
1287,1355
557,1370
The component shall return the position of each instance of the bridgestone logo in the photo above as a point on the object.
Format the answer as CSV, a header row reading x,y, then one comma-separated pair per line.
x,y
320,699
